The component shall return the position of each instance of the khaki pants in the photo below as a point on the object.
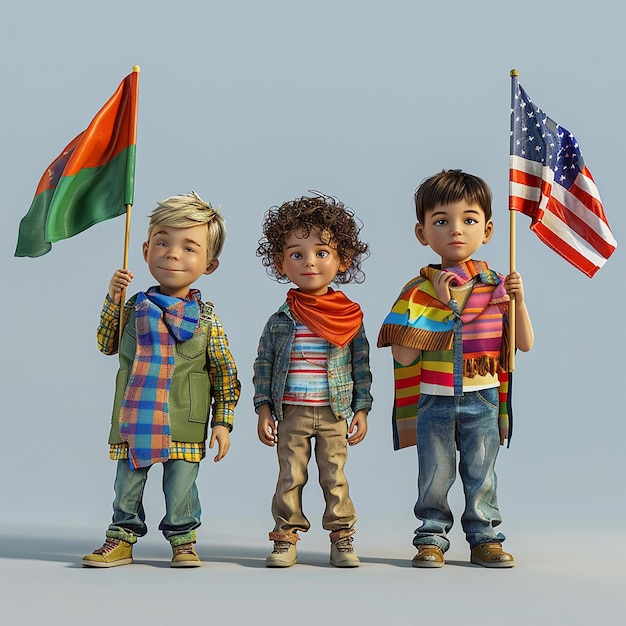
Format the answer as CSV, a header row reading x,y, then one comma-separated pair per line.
x,y
300,425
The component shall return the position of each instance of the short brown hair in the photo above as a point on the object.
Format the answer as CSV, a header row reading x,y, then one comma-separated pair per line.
x,y
449,186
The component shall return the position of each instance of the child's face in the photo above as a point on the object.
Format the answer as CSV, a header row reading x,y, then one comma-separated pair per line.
x,y
177,257
454,231
309,263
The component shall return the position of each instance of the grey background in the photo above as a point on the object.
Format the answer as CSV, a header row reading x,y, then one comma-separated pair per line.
x,y
250,104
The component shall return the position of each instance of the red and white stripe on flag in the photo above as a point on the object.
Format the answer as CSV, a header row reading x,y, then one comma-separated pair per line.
x,y
570,221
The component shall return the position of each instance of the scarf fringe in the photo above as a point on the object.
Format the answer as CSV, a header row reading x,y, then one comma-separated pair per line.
x,y
414,338
481,366
427,340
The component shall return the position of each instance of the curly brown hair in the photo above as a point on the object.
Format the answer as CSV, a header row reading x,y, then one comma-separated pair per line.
x,y
325,215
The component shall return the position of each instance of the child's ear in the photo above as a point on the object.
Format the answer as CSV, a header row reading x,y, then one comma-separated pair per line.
x,y
278,264
419,233
144,248
345,264
212,266
488,231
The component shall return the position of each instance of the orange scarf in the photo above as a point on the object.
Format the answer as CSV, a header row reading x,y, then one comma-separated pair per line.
x,y
333,316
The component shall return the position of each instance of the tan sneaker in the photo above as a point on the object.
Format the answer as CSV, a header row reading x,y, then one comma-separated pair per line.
x,y
491,555
284,552
112,553
342,553
428,555
184,555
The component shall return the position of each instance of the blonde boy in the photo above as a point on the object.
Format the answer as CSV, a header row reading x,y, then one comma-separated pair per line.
x,y
174,363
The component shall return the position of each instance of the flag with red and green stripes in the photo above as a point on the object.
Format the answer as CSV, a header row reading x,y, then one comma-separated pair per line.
x,y
91,181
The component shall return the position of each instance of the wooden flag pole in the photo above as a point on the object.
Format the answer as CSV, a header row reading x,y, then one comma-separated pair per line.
x,y
124,266
126,242
127,236
512,236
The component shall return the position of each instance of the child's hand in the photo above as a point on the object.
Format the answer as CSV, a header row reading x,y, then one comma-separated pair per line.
x,y
441,283
120,280
222,436
524,334
358,428
514,287
266,427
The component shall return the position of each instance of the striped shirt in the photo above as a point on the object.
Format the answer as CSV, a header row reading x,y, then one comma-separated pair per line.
x,y
307,377
437,375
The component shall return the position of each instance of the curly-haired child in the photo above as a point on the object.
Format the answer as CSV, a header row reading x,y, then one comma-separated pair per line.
x,y
311,376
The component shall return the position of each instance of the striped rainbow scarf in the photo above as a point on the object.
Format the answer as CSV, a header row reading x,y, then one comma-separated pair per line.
x,y
419,320
160,322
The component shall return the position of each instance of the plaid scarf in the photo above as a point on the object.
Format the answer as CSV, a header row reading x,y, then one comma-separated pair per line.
x,y
160,322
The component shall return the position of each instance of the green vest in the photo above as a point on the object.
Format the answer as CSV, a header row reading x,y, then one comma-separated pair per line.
x,y
189,398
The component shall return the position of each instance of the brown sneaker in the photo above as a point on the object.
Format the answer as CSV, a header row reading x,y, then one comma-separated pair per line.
x,y
184,555
428,555
112,553
342,553
491,555
284,552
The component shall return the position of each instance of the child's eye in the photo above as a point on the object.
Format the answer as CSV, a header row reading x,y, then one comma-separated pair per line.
x,y
295,256
441,222
322,254
189,249
471,220
160,244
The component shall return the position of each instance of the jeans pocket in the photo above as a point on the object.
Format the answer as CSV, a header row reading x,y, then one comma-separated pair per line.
x,y
425,402
489,397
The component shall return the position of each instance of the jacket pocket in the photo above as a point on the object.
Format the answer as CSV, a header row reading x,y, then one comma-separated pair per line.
x,y
341,388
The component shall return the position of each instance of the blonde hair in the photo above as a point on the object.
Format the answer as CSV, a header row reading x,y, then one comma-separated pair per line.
x,y
189,209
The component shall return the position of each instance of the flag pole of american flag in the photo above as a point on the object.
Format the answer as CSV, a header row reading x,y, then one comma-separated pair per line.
x,y
549,182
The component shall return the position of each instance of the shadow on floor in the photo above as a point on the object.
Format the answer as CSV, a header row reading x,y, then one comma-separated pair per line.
x,y
153,553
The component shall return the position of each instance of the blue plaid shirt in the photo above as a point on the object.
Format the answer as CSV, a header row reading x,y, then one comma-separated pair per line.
x,y
349,375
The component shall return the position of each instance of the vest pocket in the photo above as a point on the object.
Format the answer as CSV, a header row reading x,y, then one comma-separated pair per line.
x,y
199,395
192,348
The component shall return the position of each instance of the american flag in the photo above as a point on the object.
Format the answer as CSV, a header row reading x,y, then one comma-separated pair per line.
x,y
550,183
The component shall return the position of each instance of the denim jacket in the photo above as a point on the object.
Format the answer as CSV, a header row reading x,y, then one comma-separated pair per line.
x,y
349,375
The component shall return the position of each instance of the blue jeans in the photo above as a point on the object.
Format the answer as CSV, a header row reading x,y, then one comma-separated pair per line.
x,y
182,505
469,424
